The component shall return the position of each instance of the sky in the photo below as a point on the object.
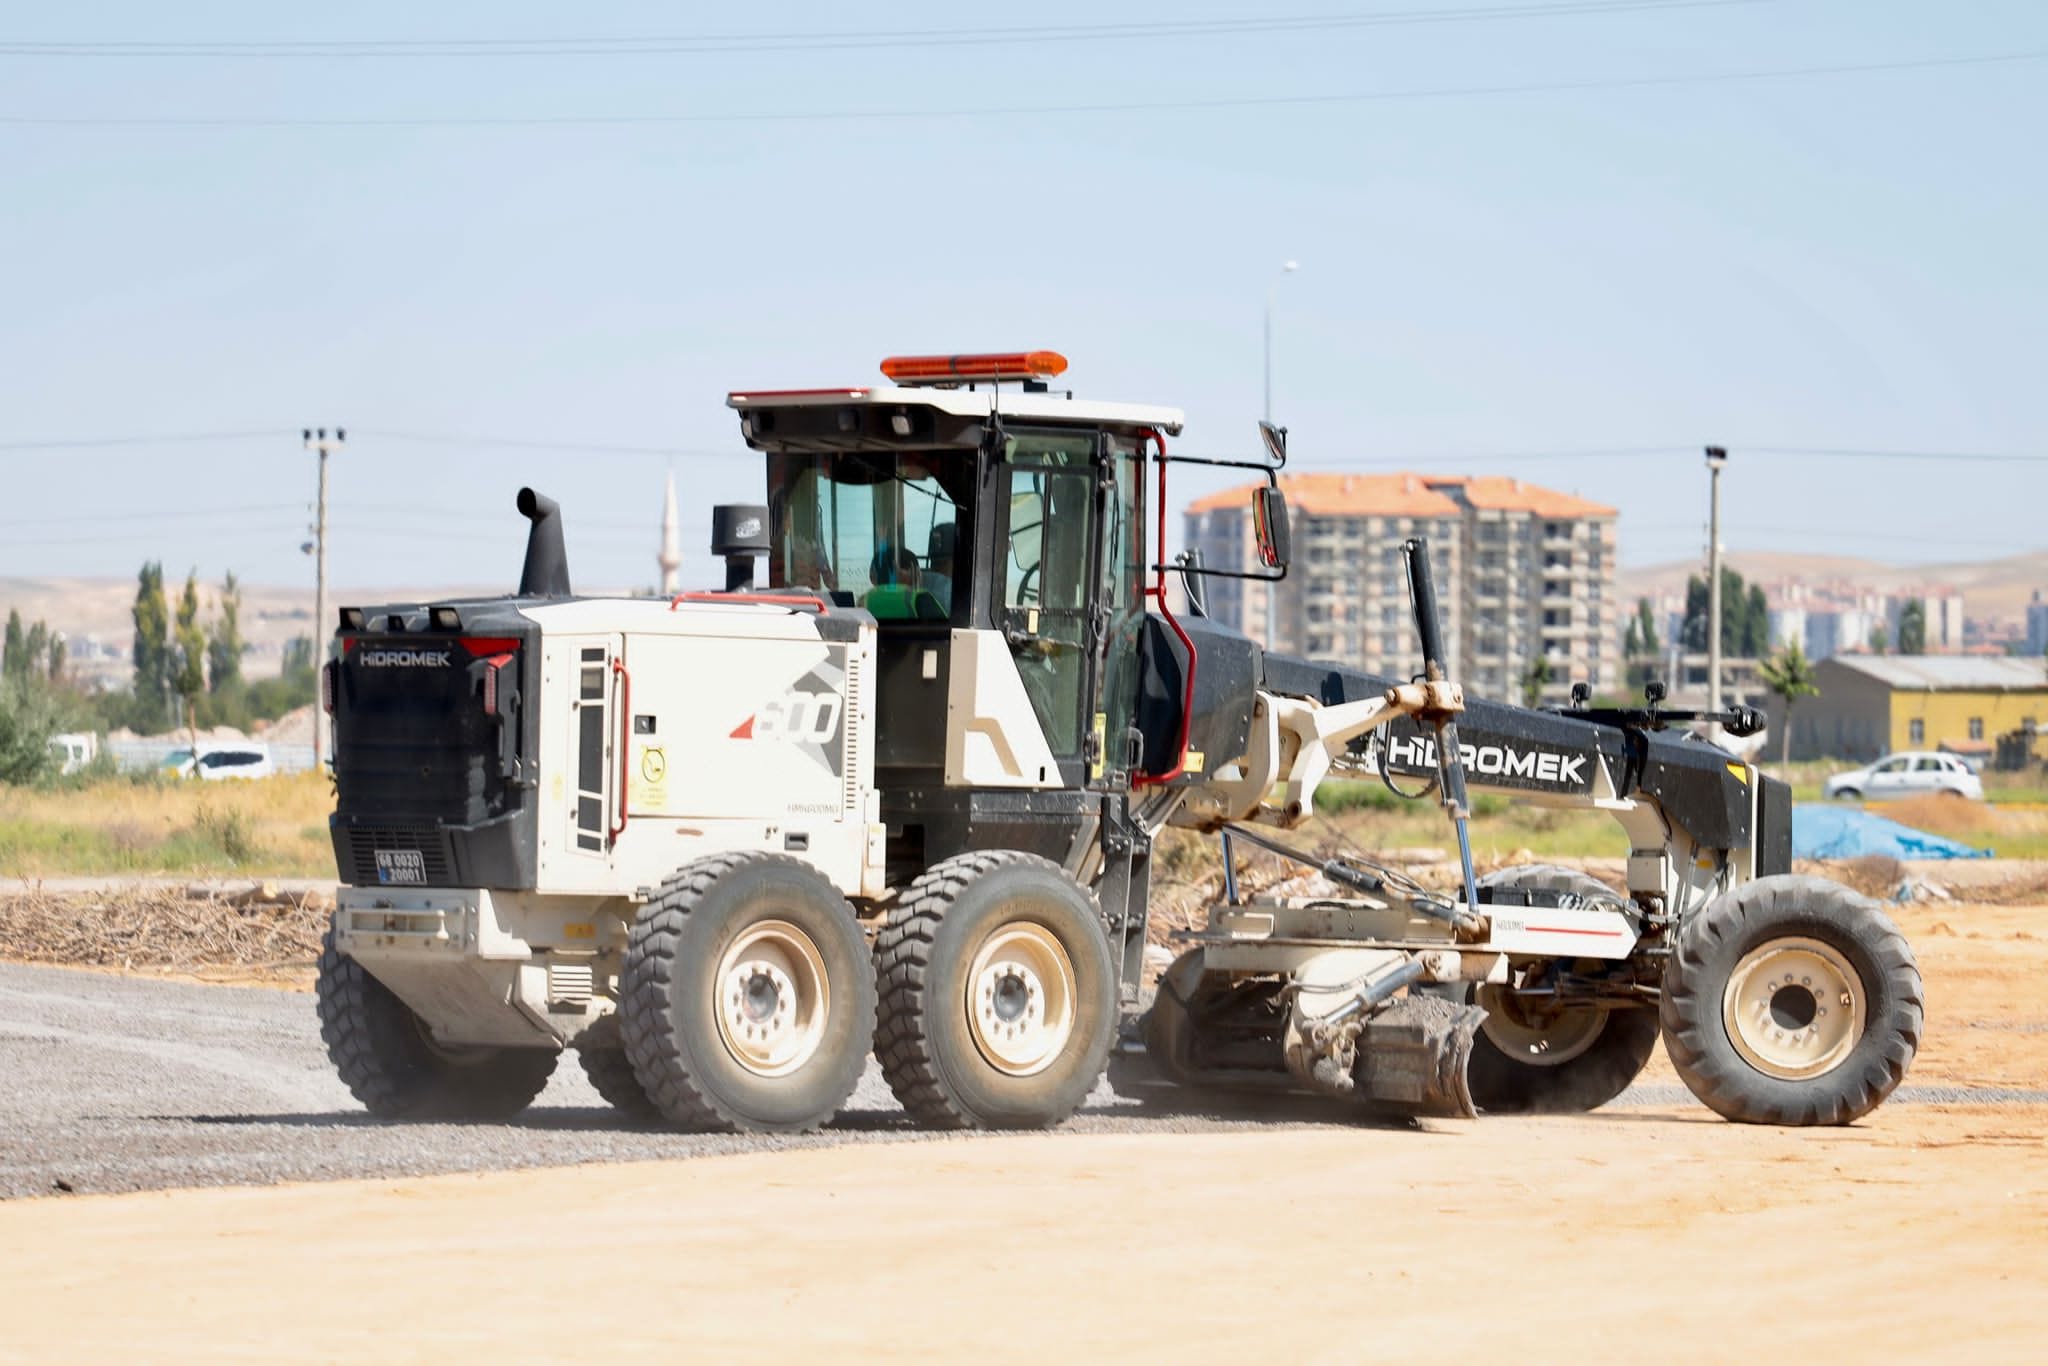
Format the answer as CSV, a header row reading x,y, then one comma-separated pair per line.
x,y
508,243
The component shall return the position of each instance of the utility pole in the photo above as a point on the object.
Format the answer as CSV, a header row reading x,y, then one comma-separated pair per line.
x,y
1717,456
316,439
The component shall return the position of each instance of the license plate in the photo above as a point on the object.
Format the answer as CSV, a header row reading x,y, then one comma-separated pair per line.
x,y
401,866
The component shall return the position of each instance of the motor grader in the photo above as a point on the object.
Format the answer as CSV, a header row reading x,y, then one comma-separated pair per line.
x,y
901,794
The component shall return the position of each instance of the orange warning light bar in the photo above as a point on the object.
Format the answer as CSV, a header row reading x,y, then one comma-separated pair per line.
x,y
1001,365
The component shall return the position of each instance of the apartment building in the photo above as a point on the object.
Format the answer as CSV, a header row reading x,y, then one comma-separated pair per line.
x,y
1520,571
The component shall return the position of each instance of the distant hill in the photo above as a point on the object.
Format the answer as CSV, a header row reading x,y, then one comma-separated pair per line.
x,y
1993,590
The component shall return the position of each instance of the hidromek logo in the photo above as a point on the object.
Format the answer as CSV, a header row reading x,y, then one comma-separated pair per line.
x,y
1543,766
405,659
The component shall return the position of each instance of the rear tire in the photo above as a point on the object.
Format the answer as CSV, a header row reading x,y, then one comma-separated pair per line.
x,y
1848,794
1792,1000
603,1055
998,996
746,999
1565,1061
390,1062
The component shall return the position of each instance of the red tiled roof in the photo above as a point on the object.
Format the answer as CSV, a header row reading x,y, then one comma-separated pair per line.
x,y
1344,495
1408,495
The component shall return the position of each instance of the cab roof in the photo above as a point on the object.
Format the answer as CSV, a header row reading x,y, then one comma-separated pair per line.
x,y
974,403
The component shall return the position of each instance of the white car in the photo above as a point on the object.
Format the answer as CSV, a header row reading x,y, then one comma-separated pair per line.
x,y
1914,774
230,761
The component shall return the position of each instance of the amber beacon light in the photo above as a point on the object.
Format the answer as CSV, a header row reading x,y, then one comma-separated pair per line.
x,y
1000,365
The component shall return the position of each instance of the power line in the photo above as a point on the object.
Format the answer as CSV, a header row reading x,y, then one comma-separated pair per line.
x,y
827,40
1026,111
532,444
1830,452
188,438
1419,462
155,515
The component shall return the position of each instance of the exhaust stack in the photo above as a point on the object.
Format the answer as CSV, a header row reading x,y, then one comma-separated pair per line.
x,y
546,572
739,535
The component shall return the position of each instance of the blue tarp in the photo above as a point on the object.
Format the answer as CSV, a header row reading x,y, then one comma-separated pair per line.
x,y
1829,831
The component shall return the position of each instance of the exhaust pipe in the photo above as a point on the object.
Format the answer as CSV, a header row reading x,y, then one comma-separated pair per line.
x,y
739,535
546,573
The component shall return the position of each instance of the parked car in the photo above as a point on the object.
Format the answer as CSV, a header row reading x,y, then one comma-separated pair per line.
x,y
1914,774
230,761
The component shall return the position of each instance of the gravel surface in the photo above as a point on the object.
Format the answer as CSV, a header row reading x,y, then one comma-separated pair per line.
x,y
114,1083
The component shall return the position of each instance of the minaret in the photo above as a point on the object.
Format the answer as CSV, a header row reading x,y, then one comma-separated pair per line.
x,y
671,557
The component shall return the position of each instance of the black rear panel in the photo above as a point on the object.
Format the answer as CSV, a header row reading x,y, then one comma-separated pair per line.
x,y
1773,827
432,738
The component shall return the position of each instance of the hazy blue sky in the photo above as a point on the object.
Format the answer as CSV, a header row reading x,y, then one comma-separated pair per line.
x,y
1845,261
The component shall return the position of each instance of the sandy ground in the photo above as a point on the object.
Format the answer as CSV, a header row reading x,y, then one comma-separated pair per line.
x,y
1922,1232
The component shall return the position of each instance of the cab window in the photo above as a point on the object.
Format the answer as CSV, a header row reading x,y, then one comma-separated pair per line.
x,y
881,530
1047,571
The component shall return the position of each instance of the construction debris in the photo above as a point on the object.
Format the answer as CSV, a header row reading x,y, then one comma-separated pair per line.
x,y
165,928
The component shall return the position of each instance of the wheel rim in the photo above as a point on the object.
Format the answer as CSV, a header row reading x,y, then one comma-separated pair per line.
x,y
1020,999
773,998
1547,1039
1793,1008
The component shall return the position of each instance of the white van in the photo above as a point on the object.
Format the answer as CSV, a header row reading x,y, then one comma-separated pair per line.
x,y
74,750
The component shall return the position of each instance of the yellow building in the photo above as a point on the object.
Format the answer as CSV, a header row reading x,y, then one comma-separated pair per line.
x,y
1870,705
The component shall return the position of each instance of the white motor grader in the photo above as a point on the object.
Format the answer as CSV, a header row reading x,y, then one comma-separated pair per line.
x,y
900,798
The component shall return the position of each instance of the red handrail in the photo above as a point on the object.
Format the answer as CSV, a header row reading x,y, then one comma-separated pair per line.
x,y
1158,591
773,599
625,742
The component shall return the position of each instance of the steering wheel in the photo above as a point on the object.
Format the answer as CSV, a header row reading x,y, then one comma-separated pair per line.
x,y
1027,587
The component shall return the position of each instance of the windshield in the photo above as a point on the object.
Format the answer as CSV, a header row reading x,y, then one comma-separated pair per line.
x,y
880,529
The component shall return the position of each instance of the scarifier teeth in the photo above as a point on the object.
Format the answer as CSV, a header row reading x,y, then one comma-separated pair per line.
x,y
1414,1058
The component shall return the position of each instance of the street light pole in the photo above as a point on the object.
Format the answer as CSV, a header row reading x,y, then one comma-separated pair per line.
x,y
316,439
1717,456
1272,594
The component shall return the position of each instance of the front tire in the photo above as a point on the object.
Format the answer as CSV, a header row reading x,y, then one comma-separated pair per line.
x,y
391,1063
1792,1000
746,999
998,995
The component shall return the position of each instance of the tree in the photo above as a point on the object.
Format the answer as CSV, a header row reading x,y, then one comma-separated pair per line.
x,y
1646,628
1535,679
1631,641
1913,627
37,649
188,667
152,652
224,646
1789,674
1745,620
1879,639
58,655
14,662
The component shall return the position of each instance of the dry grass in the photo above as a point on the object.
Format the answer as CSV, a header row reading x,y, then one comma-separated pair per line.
x,y
270,827
2012,831
160,929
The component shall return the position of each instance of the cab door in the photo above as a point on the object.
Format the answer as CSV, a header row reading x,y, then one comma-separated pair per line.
x,y
1048,596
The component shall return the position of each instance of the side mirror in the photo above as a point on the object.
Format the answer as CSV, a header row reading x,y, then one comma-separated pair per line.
x,y
1269,525
1274,439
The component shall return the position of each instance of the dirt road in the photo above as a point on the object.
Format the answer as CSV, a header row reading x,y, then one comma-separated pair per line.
x,y
1630,1234
1637,1231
